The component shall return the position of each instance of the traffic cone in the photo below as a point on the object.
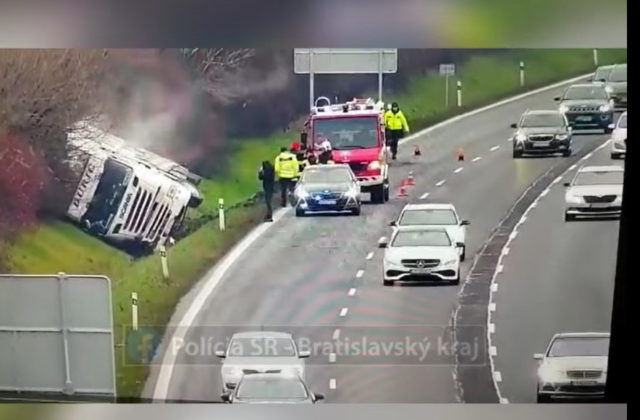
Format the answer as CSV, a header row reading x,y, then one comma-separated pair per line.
x,y
403,191
405,183
460,154
410,180
416,150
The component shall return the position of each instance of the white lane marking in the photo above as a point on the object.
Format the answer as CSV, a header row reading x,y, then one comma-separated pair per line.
x,y
476,159
545,192
497,376
500,268
522,220
492,328
211,280
382,239
423,196
504,401
513,235
494,287
587,156
505,250
572,167
359,274
343,312
492,307
332,357
558,179
352,291
332,383
457,171
493,351
494,148
534,204
492,106
336,334
510,139
440,183
369,255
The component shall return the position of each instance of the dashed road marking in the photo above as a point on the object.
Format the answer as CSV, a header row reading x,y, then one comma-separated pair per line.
x,y
494,287
510,139
476,159
545,192
587,156
572,167
504,400
332,383
423,196
558,179
359,274
336,334
332,357
500,268
494,148
492,328
440,183
457,171
352,291
343,312
492,307
493,351
369,255
497,376
513,235
505,250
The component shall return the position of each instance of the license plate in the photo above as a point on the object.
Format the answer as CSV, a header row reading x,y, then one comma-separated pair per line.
x,y
421,270
584,383
541,144
600,205
327,202
583,118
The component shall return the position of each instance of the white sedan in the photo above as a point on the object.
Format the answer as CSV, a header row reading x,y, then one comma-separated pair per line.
x,y
619,137
436,215
420,253
260,352
595,191
573,366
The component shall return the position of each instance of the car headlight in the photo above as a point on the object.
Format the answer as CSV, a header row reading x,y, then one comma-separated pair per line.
x,y
231,371
449,262
391,262
374,165
605,108
302,193
521,137
570,198
563,108
609,89
352,192
562,136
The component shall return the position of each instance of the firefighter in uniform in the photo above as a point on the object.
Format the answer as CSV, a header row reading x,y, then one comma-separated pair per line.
x,y
396,124
286,169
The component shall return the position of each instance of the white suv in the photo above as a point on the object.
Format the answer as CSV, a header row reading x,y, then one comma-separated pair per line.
x,y
435,215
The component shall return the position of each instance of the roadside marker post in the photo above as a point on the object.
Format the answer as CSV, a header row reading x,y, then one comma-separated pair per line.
x,y
221,214
134,311
522,73
459,92
595,57
163,260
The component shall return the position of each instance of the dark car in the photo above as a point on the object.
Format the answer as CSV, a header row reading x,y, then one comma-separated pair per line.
x,y
271,388
587,106
616,86
327,188
542,132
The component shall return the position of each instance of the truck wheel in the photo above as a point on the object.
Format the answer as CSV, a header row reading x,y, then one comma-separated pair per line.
x,y
567,153
569,217
607,130
377,194
386,191
300,213
356,211
195,201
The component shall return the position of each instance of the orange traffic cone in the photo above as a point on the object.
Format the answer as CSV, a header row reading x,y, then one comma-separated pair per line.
x,y
460,154
410,180
403,191
416,150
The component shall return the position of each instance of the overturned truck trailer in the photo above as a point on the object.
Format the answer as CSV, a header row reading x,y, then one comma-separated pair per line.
x,y
125,194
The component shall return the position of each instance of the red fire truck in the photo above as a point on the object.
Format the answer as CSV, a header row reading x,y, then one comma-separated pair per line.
x,y
356,133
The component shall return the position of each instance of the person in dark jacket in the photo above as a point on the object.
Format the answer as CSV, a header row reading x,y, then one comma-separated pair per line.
x,y
267,175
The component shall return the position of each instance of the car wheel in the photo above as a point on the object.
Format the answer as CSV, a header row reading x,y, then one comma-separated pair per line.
x,y
377,194
517,154
386,282
457,280
386,191
615,156
463,255
569,217
356,211
542,399
567,153
300,213
607,130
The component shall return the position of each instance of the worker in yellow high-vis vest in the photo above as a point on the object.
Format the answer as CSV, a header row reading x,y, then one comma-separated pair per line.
x,y
286,169
396,125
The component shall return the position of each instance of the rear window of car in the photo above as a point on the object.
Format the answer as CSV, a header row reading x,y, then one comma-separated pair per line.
x,y
579,347
623,122
428,217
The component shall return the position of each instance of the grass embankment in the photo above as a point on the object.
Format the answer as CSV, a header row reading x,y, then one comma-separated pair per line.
x,y
59,246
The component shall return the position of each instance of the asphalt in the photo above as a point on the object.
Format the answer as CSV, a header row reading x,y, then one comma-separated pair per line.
x,y
298,275
558,277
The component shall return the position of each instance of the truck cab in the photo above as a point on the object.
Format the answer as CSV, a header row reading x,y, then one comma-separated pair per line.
x,y
356,133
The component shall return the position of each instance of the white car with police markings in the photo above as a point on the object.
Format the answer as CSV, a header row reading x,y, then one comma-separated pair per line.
x,y
260,352
419,253
440,215
619,137
595,191
574,366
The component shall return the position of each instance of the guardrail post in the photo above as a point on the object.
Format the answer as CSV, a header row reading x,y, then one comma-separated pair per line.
x,y
521,73
595,57
134,311
459,92
163,260
221,214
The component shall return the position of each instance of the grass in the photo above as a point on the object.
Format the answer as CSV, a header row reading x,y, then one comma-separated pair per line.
x,y
58,246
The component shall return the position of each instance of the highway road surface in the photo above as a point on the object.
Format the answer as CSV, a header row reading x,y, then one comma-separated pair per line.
x,y
320,277
558,277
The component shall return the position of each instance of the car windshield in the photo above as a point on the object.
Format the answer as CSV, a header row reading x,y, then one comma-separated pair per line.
x,y
348,133
586,92
602,73
622,123
421,238
599,178
261,347
326,176
542,120
618,74
271,389
428,217
579,347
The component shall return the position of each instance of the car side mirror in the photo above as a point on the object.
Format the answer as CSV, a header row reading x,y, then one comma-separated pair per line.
x,y
382,243
603,80
304,354
557,98
318,397
459,244
393,223
514,125
567,184
570,128
612,126
225,397
538,356
220,353
465,223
